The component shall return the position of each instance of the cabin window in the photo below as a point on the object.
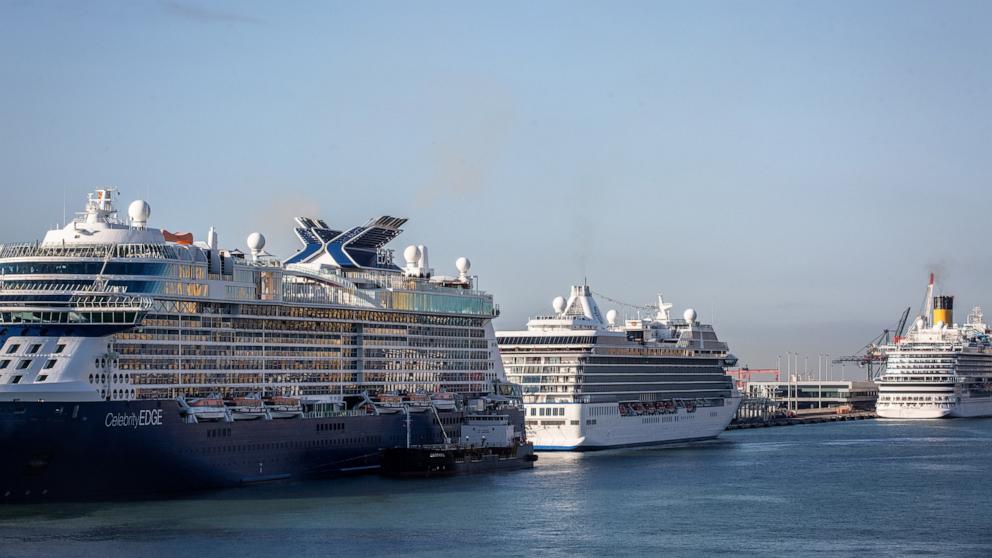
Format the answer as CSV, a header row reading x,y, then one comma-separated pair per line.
x,y
50,364
16,379
4,364
60,347
34,349
23,364
42,378
13,349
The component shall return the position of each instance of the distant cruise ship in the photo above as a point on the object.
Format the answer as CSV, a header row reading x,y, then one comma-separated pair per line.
x,y
590,383
939,369
136,360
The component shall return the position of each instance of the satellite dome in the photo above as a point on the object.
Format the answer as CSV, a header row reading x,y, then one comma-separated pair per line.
x,y
139,211
411,254
558,304
463,265
689,315
256,242
611,316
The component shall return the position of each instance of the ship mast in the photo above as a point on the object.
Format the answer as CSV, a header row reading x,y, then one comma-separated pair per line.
x,y
928,304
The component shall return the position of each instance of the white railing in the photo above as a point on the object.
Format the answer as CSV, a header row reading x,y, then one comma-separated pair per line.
x,y
36,250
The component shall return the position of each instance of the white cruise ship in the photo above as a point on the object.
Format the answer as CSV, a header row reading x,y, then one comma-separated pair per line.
x,y
939,369
590,383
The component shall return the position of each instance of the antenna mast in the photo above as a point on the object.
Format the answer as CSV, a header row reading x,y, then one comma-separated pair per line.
x,y
928,304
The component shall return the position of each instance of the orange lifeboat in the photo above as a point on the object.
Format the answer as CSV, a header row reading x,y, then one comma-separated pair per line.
x,y
185,239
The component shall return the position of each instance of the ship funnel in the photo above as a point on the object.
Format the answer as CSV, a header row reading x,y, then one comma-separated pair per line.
x,y
943,310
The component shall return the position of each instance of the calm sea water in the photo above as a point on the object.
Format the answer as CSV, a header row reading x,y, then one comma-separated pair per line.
x,y
854,488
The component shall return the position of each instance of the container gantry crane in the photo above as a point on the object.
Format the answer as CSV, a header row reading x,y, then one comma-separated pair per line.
x,y
871,356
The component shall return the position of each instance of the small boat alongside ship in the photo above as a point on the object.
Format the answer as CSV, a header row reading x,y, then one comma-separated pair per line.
x,y
488,443
425,462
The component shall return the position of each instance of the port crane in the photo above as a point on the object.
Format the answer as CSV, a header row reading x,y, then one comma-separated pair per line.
x,y
871,355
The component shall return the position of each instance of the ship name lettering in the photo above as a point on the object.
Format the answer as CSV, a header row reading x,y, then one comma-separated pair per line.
x,y
146,417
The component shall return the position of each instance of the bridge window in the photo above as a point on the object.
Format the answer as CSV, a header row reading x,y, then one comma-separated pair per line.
x,y
34,349
13,349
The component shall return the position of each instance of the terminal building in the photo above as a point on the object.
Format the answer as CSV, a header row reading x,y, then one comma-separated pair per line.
x,y
813,395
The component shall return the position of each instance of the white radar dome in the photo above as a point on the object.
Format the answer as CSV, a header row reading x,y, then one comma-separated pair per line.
x,y
411,254
689,315
256,242
463,265
558,304
139,211
611,316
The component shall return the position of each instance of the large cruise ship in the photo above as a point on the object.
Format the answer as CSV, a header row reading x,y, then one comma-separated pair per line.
x,y
939,369
590,383
133,359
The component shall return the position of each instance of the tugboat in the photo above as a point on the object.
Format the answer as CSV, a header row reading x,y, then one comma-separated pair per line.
x,y
488,443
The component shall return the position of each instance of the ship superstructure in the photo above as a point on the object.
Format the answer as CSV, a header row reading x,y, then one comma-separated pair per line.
x,y
108,323
940,368
592,383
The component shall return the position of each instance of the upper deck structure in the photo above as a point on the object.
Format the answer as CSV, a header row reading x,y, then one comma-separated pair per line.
x,y
110,308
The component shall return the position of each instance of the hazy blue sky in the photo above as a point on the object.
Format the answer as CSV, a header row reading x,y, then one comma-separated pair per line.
x,y
795,168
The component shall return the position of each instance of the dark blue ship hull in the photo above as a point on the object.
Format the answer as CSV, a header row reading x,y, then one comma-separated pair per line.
x,y
112,450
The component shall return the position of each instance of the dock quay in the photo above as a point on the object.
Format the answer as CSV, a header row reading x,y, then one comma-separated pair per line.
x,y
801,419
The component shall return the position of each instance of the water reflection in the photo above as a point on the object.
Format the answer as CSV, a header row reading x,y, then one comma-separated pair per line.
x,y
845,488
